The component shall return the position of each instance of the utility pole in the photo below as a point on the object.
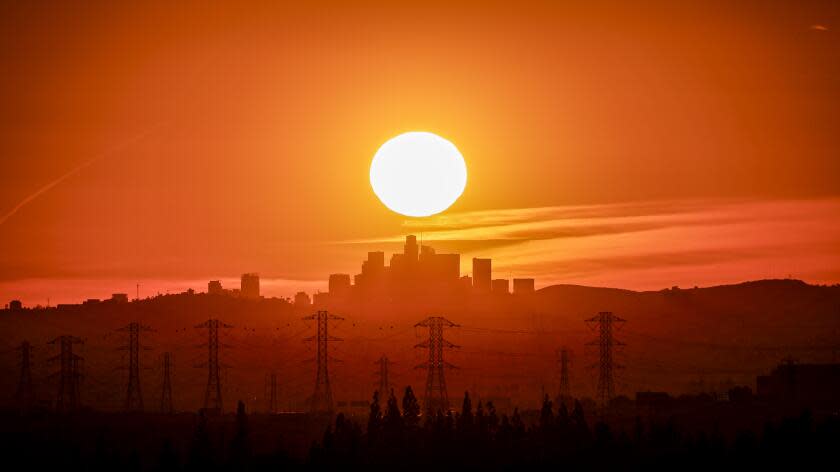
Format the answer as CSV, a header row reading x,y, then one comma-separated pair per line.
x,y
213,392
565,385
166,406
322,400
271,392
606,343
436,396
134,394
382,375
25,395
69,395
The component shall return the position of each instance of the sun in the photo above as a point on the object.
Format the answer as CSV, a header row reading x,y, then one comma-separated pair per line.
x,y
418,174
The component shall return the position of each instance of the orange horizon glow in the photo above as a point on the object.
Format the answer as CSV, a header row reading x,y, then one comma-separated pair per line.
x,y
611,145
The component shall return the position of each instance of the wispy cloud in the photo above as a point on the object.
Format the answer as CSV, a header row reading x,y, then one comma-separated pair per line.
x,y
647,244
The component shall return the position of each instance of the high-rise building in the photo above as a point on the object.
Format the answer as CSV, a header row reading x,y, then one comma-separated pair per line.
x,y
523,286
15,305
119,297
250,286
411,249
320,300
481,274
339,285
214,287
302,300
375,263
501,286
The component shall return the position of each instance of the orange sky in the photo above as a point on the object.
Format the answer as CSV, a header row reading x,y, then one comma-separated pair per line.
x,y
211,140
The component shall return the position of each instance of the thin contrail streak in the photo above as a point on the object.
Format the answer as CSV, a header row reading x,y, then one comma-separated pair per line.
x,y
73,171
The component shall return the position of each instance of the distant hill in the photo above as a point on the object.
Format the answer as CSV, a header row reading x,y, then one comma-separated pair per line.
x,y
675,339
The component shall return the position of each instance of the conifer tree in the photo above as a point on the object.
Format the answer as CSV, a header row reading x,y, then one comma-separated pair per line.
x,y
411,408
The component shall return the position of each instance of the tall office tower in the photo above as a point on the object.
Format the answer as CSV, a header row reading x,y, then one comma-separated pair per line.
x,y
481,274
375,263
250,287
339,285
302,300
214,287
411,249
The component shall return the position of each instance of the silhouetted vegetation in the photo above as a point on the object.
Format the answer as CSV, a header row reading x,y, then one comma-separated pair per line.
x,y
475,437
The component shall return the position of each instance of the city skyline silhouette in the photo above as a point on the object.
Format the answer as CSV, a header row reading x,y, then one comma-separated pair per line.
x,y
443,235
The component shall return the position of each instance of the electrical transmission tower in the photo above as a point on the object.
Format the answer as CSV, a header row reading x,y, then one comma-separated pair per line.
x,y
166,406
213,393
69,375
25,394
605,322
271,392
133,394
382,374
322,400
436,397
565,385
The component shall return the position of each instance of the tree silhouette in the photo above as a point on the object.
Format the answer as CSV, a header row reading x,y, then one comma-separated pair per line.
x,y
411,408
240,450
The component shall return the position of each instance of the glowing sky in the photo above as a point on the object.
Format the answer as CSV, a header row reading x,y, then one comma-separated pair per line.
x,y
174,144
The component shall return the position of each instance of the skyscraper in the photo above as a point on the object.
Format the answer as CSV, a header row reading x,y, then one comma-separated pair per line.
x,y
411,249
250,286
302,300
214,287
339,285
481,274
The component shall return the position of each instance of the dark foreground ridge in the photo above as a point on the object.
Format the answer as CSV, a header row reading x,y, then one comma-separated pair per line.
x,y
395,436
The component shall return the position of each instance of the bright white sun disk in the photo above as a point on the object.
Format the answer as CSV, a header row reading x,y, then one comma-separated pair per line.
x,y
418,174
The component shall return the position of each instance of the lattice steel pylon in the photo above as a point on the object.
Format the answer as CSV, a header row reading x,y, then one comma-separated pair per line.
x,y
25,394
436,396
606,342
166,405
565,386
134,392
271,392
213,392
322,400
68,398
382,375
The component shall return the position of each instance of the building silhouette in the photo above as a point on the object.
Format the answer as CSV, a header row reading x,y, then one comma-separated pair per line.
x,y
214,287
339,285
250,286
500,286
302,300
811,385
523,286
481,274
